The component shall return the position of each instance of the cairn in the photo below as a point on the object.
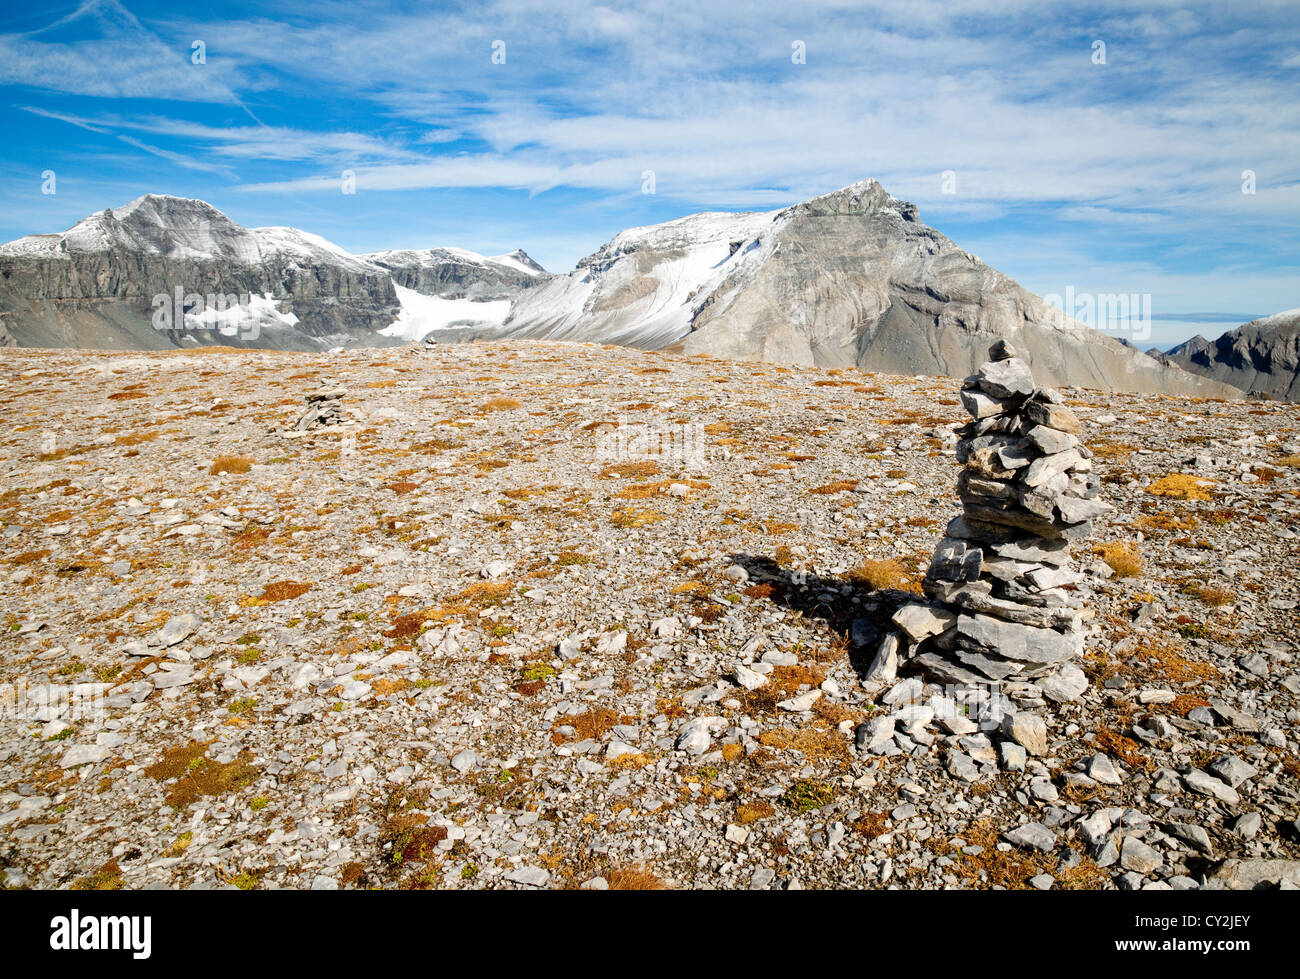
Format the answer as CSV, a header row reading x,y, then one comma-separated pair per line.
x,y
1005,601
324,408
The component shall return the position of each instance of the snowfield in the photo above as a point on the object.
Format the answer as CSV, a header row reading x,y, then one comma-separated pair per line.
x,y
421,314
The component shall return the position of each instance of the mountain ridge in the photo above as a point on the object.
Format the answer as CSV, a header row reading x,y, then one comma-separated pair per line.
x,y
1261,357
848,278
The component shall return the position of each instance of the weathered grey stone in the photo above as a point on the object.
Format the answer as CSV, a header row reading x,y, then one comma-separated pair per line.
x,y
884,666
1010,640
1204,783
921,621
1136,856
1045,468
1050,441
961,766
529,876
1027,730
1009,378
178,629
1066,684
1233,770
1250,875
981,405
1012,756
747,678
1031,836
1054,416
1193,835
875,733
954,561
1102,769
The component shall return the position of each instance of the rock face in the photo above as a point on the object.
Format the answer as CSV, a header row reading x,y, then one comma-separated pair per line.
x,y
95,284
454,273
1261,357
849,279
1005,595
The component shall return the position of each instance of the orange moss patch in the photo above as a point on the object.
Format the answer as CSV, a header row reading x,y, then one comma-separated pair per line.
x,y
1180,486
630,470
1122,557
887,573
196,775
629,518
281,591
1124,748
106,878
752,812
594,724
843,486
635,878
642,491
230,464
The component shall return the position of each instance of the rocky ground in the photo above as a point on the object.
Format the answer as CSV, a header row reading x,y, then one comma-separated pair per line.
x,y
469,635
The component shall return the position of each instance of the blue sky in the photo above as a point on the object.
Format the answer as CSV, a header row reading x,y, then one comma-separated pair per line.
x,y
1123,177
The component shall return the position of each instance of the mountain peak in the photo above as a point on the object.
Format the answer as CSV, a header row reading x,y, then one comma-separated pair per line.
x,y
863,197
521,258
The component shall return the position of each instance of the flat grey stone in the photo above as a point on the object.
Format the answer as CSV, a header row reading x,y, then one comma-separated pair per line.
x,y
1232,770
1206,784
1136,856
1027,730
1031,836
530,876
178,629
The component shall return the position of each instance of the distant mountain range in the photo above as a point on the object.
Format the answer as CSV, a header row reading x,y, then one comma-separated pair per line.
x,y
853,278
1261,357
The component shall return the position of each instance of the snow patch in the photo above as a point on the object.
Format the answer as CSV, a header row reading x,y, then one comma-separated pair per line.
x,y
422,314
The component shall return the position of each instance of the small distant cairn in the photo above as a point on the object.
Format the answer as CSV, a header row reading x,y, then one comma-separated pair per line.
x,y
425,346
324,408
1005,601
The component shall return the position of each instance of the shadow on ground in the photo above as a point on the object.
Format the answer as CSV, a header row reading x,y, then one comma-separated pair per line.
x,y
851,609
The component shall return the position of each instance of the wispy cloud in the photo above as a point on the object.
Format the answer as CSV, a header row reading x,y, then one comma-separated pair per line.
x,y
983,111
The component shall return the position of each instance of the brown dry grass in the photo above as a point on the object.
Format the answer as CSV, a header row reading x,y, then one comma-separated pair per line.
x,y
1122,557
629,518
630,470
752,812
195,775
634,878
281,591
1180,486
645,491
886,573
230,464
842,486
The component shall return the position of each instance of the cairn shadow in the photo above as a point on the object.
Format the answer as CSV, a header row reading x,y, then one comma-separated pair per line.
x,y
852,609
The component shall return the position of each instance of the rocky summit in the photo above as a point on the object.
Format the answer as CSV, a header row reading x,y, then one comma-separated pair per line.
x,y
548,615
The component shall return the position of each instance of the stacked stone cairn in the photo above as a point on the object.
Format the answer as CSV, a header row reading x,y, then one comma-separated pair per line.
x,y
324,408
1005,603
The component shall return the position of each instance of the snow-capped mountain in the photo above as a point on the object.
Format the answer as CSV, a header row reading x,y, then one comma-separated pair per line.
x,y
96,285
455,273
1261,357
852,278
